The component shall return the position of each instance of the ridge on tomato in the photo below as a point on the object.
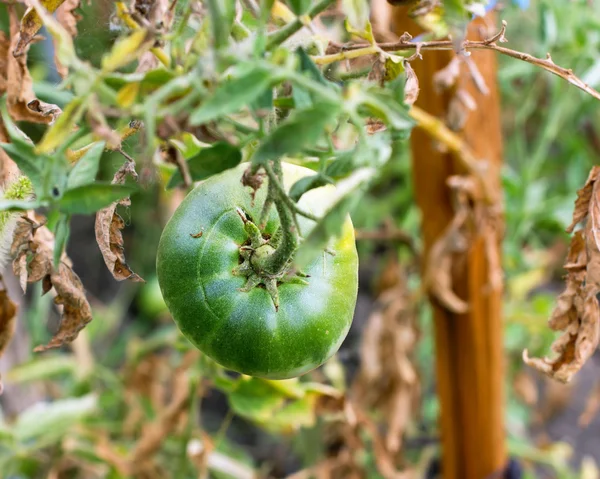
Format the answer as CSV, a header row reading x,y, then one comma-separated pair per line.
x,y
200,253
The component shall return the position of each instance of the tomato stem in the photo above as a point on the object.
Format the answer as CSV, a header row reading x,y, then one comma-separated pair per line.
x,y
277,262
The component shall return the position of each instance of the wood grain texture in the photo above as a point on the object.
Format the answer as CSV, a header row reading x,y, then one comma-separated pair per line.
x,y
469,354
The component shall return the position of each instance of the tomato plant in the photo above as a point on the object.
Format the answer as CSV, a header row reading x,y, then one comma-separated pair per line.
x,y
213,271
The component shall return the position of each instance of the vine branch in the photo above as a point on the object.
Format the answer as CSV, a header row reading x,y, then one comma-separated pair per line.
x,y
338,52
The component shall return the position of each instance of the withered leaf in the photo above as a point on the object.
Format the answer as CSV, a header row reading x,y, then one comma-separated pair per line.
x,y
36,242
19,85
108,229
446,78
438,272
31,24
77,312
411,88
577,312
583,199
8,316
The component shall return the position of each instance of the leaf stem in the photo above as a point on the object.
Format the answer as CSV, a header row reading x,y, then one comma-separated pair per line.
x,y
278,37
282,194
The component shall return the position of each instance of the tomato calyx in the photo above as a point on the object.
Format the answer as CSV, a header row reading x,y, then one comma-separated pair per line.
x,y
255,261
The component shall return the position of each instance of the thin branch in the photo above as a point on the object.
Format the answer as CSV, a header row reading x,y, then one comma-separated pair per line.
x,y
335,49
284,196
281,35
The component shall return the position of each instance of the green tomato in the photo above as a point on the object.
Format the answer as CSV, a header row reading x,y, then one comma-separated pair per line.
x,y
242,330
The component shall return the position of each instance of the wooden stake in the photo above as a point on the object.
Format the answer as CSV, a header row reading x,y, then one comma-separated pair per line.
x,y
469,347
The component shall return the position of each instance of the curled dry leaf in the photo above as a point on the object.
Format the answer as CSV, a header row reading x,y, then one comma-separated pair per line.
x,y
16,80
32,251
31,24
8,316
577,312
446,78
108,227
438,270
411,88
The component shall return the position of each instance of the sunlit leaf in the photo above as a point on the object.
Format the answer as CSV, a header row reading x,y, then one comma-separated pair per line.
x,y
209,161
86,169
234,94
124,51
302,128
63,127
88,199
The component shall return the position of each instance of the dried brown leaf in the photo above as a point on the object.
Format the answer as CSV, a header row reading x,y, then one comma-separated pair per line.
x,y
411,88
19,85
583,199
8,318
153,433
30,25
108,227
32,251
77,312
387,379
446,78
577,343
438,272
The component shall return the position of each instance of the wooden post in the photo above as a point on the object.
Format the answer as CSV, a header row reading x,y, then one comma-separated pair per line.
x,y
469,347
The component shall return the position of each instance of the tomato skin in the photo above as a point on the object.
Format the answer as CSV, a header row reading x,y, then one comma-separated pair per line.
x,y
242,330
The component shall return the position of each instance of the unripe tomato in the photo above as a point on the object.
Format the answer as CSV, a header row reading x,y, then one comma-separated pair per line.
x,y
242,330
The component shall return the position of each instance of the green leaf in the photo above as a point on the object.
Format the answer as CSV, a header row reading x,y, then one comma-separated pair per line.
x,y
308,67
61,235
306,184
86,169
357,19
234,94
382,104
210,161
17,205
351,191
302,128
299,7
221,18
88,199
255,399
53,419
45,367
23,154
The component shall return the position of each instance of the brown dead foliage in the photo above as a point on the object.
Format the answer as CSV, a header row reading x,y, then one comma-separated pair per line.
x,y
32,252
387,379
577,312
472,218
8,317
170,406
16,81
347,438
30,25
108,227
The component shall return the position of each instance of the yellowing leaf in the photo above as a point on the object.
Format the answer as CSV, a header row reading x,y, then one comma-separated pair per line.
x,y
127,95
125,51
63,127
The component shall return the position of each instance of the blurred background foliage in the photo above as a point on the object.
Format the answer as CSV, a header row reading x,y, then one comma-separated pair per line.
x,y
118,398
